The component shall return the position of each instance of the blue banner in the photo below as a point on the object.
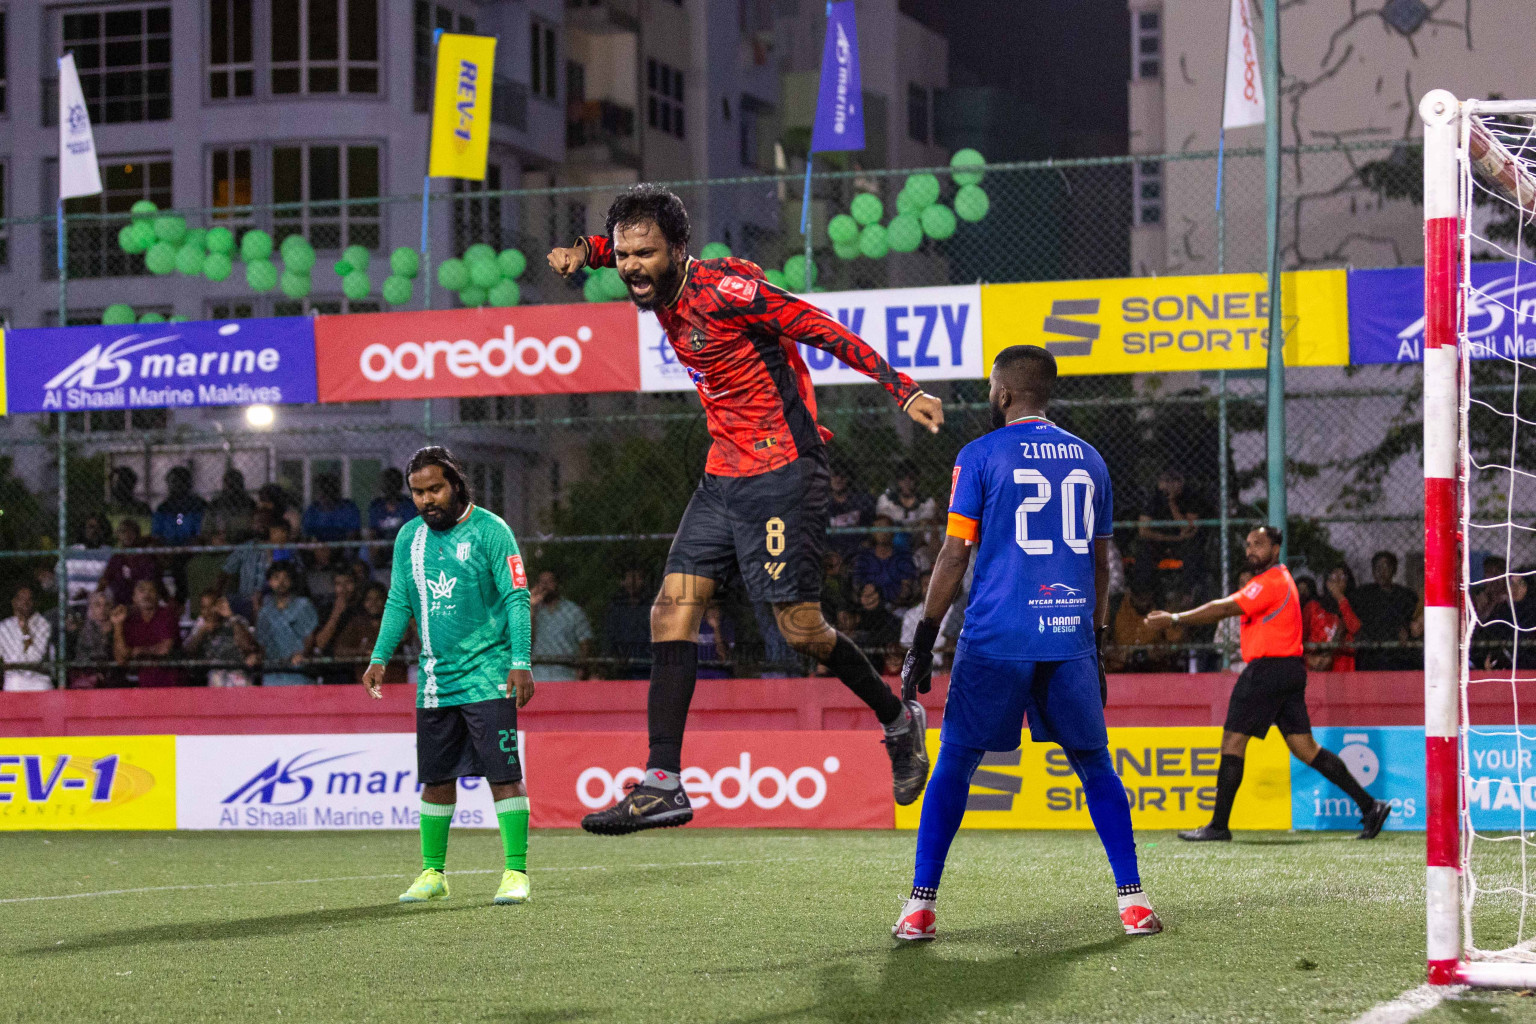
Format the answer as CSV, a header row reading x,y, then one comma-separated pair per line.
x,y
839,103
1386,313
1387,760
1501,780
149,366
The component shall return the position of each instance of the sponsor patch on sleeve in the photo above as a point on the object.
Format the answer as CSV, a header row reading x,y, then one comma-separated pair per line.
x,y
954,485
739,289
519,574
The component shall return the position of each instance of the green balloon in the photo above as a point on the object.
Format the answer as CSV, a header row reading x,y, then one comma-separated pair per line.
x,y
592,290
143,234
512,263
474,295
794,273
356,285
117,313
847,250
963,159
189,260
342,268
356,255
260,274
143,209
971,203
404,262
906,202
924,188
294,285
170,228
479,251
938,221
161,258
613,285
873,242
197,237
842,228
866,208
484,273
905,232
179,319
396,290
220,240
776,278
714,251
255,245
453,274
217,266
152,318
129,241
504,293
298,254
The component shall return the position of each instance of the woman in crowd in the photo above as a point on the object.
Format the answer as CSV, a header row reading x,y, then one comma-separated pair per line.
x,y
147,631
1329,619
91,638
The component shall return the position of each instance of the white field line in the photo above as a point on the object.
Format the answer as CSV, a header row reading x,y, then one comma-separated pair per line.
x,y
1411,1004
370,878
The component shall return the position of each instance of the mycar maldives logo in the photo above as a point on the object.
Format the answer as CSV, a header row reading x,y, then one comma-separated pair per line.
x,y
494,357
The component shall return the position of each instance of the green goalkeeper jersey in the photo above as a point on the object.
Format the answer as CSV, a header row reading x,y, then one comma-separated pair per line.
x,y
468,592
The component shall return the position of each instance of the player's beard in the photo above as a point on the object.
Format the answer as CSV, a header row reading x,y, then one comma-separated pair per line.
x,y
444,518
999,417
1258,565
662,287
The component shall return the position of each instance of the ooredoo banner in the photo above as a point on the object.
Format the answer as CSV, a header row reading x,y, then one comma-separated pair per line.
x,y
520,350
88,782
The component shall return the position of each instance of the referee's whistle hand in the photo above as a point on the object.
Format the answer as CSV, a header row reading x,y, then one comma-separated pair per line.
x,y
927,411
373,678
520,686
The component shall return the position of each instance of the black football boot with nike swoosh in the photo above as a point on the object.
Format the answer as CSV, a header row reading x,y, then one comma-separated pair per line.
x,y
643,807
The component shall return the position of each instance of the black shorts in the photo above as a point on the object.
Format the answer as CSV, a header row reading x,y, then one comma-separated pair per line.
x,y
468,740
1271,691
769,529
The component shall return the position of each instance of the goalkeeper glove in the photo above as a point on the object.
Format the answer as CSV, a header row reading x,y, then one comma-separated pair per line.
x,y
917,669
1103,636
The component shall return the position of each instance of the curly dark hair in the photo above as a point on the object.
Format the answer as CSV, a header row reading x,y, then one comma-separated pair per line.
x,y
437,455
640,203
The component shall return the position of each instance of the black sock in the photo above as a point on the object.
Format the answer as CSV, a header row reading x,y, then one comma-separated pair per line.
x,y
1228,777
925,892
1331,768
674,671
850,665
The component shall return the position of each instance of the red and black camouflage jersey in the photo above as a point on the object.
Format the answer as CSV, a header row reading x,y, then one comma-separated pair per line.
x,y
735,334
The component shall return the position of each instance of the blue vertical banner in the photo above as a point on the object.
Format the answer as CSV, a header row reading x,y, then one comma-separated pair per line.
x,y
839,102
1387,760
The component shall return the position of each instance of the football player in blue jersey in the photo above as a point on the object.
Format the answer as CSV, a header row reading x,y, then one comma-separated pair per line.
x,y
1035,503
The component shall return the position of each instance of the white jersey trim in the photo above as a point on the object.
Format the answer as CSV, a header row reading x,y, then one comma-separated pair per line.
x,y
428,657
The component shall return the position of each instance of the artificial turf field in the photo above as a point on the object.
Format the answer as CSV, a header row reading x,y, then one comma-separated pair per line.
x,y
695,925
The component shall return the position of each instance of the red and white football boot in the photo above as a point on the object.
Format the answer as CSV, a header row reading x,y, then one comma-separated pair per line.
x,y
1137,915
917,922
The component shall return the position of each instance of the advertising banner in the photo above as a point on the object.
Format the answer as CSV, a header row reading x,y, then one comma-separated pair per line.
x,y
88,782
152,366
461,108
926,333
1386,313
734,779
1387,760
1169,776
1164,324
459,353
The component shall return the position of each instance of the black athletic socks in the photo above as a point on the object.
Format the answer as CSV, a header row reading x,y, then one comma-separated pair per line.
x,y
1128,890
925,892
1228,777
850,665
1331,768
674,671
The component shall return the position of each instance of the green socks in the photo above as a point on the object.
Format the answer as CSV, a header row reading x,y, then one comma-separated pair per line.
x,y
435,819
512,816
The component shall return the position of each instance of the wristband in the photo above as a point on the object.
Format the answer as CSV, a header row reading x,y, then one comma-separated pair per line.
x,y
927,632
1175,617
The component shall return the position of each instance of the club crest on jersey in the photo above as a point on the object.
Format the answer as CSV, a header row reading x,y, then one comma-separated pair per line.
x,y
696,340
442,587
463,550
742,289
519,574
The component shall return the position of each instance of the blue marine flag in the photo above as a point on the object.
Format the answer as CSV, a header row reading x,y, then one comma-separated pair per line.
x,y
839,103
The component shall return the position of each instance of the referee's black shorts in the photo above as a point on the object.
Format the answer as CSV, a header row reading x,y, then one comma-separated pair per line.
x,y
1271,691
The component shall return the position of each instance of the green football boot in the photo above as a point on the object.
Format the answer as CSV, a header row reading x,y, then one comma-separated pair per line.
x,y
514,888
430,885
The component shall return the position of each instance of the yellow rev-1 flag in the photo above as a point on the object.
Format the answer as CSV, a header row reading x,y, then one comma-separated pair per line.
x,y
461,111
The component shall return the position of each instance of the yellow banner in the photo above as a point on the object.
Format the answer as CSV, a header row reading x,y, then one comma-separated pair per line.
x,y
1164,324
1169,776
88,782
2,371
461,109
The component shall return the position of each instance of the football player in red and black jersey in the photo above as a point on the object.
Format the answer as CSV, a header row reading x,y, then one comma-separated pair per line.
x,y
761,510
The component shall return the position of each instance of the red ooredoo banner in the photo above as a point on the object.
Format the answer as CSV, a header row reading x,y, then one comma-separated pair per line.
x,y
734,779
458,353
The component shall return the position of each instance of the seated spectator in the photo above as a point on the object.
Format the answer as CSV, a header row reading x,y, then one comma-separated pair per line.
x,y
221,635
778,657
245,568
122,503
1306,590
890,569
45,589
24,638
627,627
562,636
1330,619
1169,549
392,509
230,510
90,640
274,498
847,507
179,518
836,585
124,572
320,568
331,517
949,626
1228,637
717,639
1387,612
146,631
877,631
285,628
362,574
342,607
355,639
1491,589
204,569
1509,622
907,509
86,560
1129,633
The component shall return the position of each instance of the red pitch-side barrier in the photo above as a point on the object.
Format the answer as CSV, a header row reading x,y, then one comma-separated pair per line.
x,y
1354,698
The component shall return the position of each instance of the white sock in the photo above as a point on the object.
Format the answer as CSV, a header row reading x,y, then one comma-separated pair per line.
x,y
658,779
902,723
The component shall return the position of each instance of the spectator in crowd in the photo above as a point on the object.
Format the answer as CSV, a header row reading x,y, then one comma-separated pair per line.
x,y
221,635
123,503
717,639
627,627
179,518
1228,636
124,571
145,632
1329,618
24,638
890,569
343,606
1129,632
877,631
204,569
285,627
836,584
86,560
274,498
1169,549
45,588
388,512
1387,612
1306,590
562,636
362,574
778,657
1491,590
230,510
1508,622
90,637
355,639
331,517
903,507
847,507
320,567
245,568
949,626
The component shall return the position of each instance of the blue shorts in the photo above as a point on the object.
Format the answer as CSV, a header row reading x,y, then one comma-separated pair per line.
x,y
988,700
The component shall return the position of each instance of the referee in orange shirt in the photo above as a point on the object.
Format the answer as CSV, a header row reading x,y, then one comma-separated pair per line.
x,y
1273,687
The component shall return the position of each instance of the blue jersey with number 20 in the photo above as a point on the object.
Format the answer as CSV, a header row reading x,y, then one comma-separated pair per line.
x,y
1032,497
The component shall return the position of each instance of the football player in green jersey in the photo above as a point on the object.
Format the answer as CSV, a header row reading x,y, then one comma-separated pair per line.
x,y
458,573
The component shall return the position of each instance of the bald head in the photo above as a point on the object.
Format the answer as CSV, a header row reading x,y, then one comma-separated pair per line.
x,y
1022,379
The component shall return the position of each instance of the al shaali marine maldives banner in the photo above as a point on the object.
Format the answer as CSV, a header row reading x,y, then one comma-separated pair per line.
x,y
1386,313
149,366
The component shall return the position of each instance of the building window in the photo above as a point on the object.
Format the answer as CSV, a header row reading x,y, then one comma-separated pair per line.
x,y
427,21
93,250
917,112
542,67
509,103
664,99
227,310
478,220
124,59
3,107
322,47
319,176
231,67
5,229
756,141
1148,184
230,183
1147,55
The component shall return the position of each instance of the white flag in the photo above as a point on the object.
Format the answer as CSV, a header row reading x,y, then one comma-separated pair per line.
x,y
78,173
1244,104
